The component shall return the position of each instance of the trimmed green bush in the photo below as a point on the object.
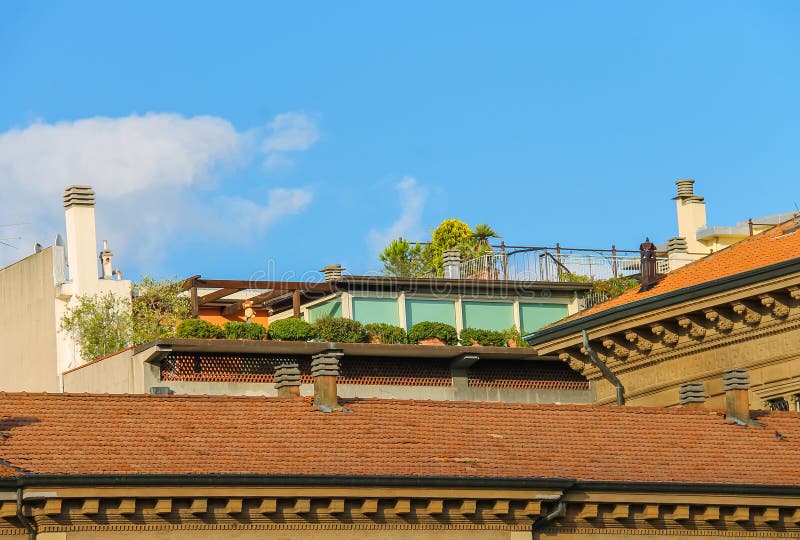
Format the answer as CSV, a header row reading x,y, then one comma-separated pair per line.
x,y
243,330
340,330
386,333
198,328
512,334
427,330
290,330
483,337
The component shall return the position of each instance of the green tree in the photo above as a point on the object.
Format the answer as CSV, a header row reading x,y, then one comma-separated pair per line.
x,y
483,232
450,234
403,259
158,307
99,324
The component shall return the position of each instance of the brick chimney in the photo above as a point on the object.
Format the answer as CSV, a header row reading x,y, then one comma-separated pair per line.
x,y
324,372
451,259
287,379
736,383
692,394
647,254
332,272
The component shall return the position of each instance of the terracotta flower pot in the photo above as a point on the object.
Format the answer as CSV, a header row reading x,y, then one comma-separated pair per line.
x,y
432,341
512,343
376,340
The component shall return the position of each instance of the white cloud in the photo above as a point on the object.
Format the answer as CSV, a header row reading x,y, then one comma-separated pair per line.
x,y
412,199
281,202
153,174
289,132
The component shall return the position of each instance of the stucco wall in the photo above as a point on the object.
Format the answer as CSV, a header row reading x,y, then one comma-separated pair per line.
x,y
28,325
113,374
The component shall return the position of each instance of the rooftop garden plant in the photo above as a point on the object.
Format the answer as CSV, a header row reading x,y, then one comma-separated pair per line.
x,y
340,330
386,333
476,336
427,332
243,330
198,328
513,338
290,330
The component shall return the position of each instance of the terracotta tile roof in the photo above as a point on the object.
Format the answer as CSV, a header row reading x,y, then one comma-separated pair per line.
x,y
762,250
107,434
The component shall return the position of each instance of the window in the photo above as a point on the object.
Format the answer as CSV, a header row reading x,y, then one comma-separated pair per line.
x,y
326,309
488,315
534,316
778,404
376,310
418,310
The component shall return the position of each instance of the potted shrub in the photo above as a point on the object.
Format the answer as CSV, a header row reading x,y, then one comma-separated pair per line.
x,y
385,333
340,330
476,336
432,333
513,338
243,330
290,330
198,328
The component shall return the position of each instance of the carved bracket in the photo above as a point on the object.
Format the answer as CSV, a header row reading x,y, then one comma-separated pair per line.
x,y
696,330
667,336
775,304
615,348
642,344
721,322
748,314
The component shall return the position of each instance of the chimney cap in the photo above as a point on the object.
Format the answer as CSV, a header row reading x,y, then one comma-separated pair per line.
x,y
332,271
692,392
736,379
686,190
78,196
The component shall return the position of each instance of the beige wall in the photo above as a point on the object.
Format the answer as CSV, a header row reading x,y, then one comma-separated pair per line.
x,y
28,325
346,534
113,375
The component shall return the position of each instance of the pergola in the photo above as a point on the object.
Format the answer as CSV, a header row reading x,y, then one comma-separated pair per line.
x,y
266,293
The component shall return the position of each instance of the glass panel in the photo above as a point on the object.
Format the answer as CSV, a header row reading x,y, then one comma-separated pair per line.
x,y
331,309
488,315
376,310
534,316
418,310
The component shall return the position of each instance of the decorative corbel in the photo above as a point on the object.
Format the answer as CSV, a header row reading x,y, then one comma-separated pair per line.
x,y
750,316
775,304
642,344
665,334
720,321
574,362
615,348
794,292
696,330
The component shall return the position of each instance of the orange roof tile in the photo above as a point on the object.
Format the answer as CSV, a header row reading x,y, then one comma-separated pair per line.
x,y
194,435
767,248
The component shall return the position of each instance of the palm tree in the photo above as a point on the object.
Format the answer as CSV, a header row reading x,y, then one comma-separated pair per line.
x,y
483,232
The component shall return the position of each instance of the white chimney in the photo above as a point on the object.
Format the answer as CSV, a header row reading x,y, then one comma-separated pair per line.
x,y
691,215
81,238
105,262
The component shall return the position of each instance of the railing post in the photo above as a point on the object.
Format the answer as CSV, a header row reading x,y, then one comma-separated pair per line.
x,y
750,224
505,258
614,258
558,258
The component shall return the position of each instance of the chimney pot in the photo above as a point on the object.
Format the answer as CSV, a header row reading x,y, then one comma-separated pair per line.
x,y
324,372
332,272
105,261
287,379
451,260
692,394
736,383
78,196
685,187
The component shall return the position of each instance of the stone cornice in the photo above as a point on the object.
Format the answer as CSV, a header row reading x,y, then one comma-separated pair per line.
x,y
688,329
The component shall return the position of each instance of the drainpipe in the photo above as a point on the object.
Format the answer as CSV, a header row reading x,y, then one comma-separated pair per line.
x,y
607,373
23,518
543,522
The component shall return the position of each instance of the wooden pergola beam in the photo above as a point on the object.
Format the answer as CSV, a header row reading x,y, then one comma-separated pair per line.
x,y
216,295
236,307
275,285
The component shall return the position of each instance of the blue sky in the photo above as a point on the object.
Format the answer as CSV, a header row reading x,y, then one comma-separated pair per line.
x,y
237,138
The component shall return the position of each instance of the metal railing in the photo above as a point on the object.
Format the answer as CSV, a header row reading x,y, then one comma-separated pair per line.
x,y
520,263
